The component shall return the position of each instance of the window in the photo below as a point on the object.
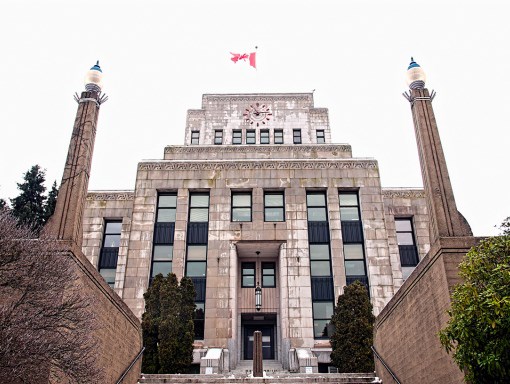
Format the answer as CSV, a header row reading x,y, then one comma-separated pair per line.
x,y
268,275
322,313
264,136
319,260
274,206
250,136
196,261
110,251
167,205
278,136
199,208
297,136
248,275
194,137
218,136
406,246
316,206
162,251
241,206
349,207
320,136
237,136
162,260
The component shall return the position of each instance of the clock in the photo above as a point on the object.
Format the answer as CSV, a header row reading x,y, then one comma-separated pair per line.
x,y
257,114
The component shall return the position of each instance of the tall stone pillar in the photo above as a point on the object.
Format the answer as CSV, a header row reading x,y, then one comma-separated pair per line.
x,y
445,219
66,222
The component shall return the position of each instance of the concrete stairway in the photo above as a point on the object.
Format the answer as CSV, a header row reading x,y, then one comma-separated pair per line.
x,y
271,368
278,378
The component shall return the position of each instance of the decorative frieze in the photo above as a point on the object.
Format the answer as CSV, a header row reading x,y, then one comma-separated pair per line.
x,y
258,149
404,193
124,195
251,164
260,97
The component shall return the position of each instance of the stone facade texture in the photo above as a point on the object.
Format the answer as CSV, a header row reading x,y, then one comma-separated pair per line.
x,y
226,168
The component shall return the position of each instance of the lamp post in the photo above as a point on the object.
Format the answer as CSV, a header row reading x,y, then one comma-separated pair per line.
x,y
258,297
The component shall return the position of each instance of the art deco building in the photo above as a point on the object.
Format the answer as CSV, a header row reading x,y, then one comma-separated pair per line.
x,y
258,197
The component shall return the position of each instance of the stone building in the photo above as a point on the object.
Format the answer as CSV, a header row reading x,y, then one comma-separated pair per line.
x,y
258,197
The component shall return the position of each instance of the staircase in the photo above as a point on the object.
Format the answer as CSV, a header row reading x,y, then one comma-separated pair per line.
x,y
271,368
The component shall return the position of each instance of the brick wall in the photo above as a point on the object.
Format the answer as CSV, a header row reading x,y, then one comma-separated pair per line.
x,y
406,331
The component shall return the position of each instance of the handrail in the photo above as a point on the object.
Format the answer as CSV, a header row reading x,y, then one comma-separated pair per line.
x,y
385,365
130,366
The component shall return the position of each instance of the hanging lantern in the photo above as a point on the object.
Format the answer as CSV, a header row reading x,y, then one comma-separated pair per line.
x,y
258,297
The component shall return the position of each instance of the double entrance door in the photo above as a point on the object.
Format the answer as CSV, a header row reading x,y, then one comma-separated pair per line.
x,y
267,341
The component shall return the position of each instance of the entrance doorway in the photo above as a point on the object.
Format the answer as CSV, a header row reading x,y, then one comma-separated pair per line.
x,y
267,341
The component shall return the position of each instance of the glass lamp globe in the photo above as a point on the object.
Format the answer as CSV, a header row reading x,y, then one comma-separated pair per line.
x,y
93,79
415,76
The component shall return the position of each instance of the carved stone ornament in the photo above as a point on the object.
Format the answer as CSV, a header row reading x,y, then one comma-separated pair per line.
x,y
259,149
110,196
404,193
170,165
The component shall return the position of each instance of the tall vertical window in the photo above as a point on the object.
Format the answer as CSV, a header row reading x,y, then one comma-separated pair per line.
x,y
264,136
110,251
250,136
320,136
268,275
296,134
237,136
320,264
218,136
406,246
278,136
248,275
274,206
196,255
352,234
194,137
241,206
162,252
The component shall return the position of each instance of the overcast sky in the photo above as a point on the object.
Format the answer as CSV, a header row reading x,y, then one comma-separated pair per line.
x,y
159,57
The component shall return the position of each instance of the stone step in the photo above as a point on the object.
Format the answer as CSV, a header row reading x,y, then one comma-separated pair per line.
x,y
271,367
286,378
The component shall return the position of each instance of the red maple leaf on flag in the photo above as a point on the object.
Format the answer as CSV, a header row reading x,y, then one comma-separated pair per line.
x,y
243,56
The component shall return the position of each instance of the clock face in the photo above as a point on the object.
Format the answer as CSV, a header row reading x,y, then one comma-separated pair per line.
x,y
257,114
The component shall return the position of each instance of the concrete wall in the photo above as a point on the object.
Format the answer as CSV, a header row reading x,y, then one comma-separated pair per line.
x,y
406,331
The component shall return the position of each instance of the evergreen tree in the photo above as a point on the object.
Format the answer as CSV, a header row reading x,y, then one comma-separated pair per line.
x,y
353,336
3,203
150,322
51,203
186,332
28,207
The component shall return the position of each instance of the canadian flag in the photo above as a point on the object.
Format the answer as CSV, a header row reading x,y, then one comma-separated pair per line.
x,y
243,56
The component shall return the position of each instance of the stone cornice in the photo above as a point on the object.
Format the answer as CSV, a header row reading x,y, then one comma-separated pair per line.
x,y
259,97
404,193
206,165
111,195
259,149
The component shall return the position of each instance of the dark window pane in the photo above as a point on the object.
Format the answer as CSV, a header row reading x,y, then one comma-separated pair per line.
x,y
274,214
268,281
163,252
354,267
236,137
197,252
320,268
403,225
316,214
321,328
348,199
273,200
248,270
349,213
278,136
268,269
316,200
111,241
405,238
163,267
196,268
322,310
319,251
108,275
241,214
353,251
198,215
113,227
167,201
241,200
199,201
248,281
264,137
166,215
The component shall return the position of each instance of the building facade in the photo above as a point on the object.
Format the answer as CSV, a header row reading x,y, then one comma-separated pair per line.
x,y
258,197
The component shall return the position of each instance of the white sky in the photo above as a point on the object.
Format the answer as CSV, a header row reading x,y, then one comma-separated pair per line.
x,y
159,57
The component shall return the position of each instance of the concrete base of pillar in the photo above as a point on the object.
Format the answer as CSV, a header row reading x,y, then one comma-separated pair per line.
x,y
216,360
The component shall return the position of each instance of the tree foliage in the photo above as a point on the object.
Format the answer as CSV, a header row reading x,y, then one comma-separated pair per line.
x,y
353,336
32,208
167,325
478,332
45,320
